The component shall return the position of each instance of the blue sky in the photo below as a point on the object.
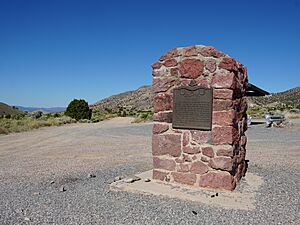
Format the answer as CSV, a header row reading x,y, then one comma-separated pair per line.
x,y
53,51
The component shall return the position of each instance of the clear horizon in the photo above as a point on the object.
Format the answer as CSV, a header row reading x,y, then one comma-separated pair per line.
x,y
55,51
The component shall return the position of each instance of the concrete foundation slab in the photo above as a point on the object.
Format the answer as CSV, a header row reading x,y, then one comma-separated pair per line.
x,y
243,198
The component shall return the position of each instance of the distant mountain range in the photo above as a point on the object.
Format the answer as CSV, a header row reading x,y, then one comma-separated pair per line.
x,y
141,99
6,109
47,110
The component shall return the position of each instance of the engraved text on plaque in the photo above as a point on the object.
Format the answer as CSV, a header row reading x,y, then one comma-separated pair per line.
x,y
192,108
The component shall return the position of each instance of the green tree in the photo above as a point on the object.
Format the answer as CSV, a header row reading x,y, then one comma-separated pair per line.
x,y
79,109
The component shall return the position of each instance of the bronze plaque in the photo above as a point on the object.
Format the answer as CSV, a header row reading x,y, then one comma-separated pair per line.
x,y
192,108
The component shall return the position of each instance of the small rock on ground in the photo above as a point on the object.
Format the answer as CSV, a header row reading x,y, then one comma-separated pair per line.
x,y
62,189
90,175
132,179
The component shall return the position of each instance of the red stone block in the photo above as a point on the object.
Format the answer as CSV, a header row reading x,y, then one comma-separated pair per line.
x,y
228,64
245,70
183,167
184,178
223,93
190,51
223,118
205,159
159,128
211,65
159,73
220,179
239,172
159,175
185,82
170,54
156,65
244,105
225,152
170,63
165,164
199,167
224,135
166,144
162,84
201,137
179,160
223,80
209,51
244,125
240,77
186,158
162,102
186,138
243,141
163,117
191,149
191,68
222,104
221,163
242,155
203,83
174,72
208,151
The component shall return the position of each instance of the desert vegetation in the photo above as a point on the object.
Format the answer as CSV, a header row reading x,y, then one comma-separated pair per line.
x,y
259,111
29,121
287,103
107,113
79,110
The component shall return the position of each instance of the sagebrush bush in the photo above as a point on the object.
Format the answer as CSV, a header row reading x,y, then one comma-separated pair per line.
x,y
27,123
79,109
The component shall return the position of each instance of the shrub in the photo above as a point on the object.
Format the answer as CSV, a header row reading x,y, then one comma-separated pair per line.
x,y
3,130
123,114
108,110
56,115
79,109
143,117
17,116
36,114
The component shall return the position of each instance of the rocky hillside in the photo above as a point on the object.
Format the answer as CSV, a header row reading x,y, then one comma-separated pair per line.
x,y
140,99
288,99
8,110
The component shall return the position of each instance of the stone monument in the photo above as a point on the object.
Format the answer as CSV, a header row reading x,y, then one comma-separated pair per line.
x,y
199,118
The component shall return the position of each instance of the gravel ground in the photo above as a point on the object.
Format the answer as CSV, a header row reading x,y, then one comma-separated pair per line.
x,y
34,165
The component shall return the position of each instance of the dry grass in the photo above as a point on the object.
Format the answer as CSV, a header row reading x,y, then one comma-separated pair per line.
x,y
28,123
144,117
293,117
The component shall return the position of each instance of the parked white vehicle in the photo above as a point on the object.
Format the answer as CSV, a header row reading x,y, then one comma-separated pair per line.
x,y
274,119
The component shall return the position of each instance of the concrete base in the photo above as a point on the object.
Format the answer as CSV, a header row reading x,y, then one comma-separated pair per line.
x,y
243,198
